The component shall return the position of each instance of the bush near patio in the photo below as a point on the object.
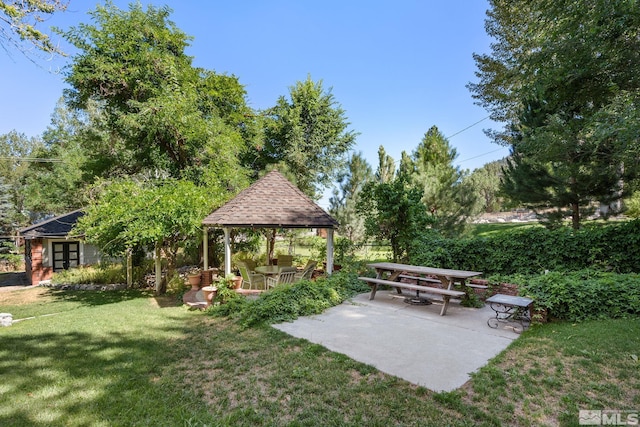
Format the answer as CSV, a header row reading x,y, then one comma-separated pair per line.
x,y
590,273
290,301
608,247
579,295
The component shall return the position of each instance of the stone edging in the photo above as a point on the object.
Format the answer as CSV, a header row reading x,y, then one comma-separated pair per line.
x,y
84,287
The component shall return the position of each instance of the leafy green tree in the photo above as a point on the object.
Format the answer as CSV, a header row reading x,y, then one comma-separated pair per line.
x,y
563,77
345,197
393,211
165,215
58,185
449,199
306,136
166,114
5,209
16,154
20,18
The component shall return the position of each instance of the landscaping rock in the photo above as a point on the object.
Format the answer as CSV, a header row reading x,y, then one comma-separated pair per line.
x,y
86,287
6,319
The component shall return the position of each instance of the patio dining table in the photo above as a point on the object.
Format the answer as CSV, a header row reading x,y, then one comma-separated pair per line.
x,y
268,270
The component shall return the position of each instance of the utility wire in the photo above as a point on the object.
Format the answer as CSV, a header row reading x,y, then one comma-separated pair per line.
x,y
32,159
468,127
483,154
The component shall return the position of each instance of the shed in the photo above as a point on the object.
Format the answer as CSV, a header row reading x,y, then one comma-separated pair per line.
x,y
271,202
49,247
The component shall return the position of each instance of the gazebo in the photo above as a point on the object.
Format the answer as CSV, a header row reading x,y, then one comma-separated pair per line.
x,y
271,202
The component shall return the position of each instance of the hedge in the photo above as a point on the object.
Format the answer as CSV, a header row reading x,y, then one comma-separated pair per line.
x,y
610,247
581,295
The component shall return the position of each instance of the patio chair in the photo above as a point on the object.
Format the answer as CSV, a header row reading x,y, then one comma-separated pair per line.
x,y
255,280
249,263
285,260
307,271
286,275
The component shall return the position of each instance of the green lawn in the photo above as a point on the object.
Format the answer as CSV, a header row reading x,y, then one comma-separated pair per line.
x,y
127,358
484,230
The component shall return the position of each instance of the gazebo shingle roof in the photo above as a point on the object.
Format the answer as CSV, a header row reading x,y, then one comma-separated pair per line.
x,y
271,202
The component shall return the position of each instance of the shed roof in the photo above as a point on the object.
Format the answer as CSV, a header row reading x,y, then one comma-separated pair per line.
x,y
271,202
59,226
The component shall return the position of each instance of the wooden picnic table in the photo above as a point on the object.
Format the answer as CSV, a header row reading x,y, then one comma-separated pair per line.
x,y
390,274
446,276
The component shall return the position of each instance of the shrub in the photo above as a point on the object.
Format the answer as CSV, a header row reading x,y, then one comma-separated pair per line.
x,y
103,274
580,295
10,256
609,247
288,302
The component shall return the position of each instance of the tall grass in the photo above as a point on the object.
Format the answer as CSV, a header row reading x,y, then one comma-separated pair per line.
x,y
101,274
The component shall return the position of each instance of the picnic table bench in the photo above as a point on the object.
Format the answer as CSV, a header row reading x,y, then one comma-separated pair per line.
x,y
432,280
427,275
446,293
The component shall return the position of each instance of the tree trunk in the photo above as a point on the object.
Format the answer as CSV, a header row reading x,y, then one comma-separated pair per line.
x,y
171,254
161,288
129,268
575,216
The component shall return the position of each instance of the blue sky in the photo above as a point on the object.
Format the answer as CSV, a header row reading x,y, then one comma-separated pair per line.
x,y
396,67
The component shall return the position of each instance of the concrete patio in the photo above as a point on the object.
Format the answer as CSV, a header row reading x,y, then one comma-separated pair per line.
x,y
412,342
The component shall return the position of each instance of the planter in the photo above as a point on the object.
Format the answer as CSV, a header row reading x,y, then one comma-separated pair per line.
x,y
194,281
237,282
209,293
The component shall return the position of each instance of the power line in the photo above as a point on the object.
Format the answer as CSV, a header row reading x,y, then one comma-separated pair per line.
x,y
468,127
32,159
480,155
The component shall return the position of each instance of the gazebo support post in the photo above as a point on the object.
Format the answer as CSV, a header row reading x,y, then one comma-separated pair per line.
x,y
329,251
205,247
227,251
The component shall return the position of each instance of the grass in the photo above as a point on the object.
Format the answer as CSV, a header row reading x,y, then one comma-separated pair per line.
x,y
485,230
127,358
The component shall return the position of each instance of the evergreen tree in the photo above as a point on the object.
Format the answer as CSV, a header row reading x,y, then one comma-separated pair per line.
x,y
486,184
564,78
386,166
449,199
